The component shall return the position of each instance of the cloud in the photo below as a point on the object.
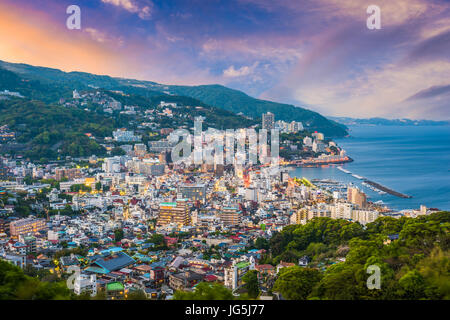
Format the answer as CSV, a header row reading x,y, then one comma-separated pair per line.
x,y
430,92
317,53
232,72
103,37
144,12
435,47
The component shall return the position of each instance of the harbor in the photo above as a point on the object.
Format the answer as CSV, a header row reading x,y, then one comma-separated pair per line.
x,y
375,186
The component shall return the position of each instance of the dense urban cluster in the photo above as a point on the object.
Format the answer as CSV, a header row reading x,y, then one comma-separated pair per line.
x,y
139,225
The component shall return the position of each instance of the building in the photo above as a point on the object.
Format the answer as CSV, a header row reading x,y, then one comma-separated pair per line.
x,y
295,127
85,284
174,212
364,216
234,273
111,263
4,226
111,165
6,135
268,121
19,260
70,174
318,135
123,135
318,146
75,94
230,216
161,146
355,196
184,280
307,141
115,291
26,226
194,192
30,242
299,217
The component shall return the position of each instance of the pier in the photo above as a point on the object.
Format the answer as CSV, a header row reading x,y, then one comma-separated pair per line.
x,y
387,190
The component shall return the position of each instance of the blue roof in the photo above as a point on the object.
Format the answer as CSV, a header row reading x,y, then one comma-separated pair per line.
x,y
96,270
158,264
111,250
115,262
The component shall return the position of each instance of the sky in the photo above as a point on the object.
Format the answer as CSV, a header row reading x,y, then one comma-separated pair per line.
x,y
317,54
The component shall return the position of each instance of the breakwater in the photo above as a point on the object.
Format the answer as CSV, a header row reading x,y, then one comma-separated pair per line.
x,y
387,190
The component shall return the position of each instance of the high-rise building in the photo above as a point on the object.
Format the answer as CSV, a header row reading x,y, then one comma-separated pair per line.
x,y
230,216
295,126
268,121
355,196
174,212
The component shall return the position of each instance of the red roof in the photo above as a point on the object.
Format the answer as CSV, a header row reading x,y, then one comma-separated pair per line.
x,y
264,267
210,277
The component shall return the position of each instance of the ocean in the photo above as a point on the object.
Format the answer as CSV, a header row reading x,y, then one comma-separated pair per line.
x,y
414,160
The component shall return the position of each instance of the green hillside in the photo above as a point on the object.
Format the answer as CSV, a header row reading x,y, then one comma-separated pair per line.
x,y
237,101
46,129
213,95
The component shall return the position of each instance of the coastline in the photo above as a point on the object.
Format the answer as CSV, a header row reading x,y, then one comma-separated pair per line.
x,y
410,160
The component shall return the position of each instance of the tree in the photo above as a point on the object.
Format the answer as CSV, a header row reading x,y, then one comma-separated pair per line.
x,y
262,243
251,283
118,235
14,284
412,285
296,283
136,295
205,291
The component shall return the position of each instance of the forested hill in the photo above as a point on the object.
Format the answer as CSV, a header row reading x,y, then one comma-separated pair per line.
x,y
214,95
413,255
237,101
49,124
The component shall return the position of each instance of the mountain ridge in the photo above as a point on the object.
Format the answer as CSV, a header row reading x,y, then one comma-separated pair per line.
x,y
216,95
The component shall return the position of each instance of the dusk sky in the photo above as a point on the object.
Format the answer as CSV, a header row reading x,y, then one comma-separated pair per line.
x,y
317,54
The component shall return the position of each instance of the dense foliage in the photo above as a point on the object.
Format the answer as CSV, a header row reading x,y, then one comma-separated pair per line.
x,y
47,129
414,266
15,285
205,291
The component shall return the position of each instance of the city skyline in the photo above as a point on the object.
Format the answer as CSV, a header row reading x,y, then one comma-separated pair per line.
x,y
315,54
